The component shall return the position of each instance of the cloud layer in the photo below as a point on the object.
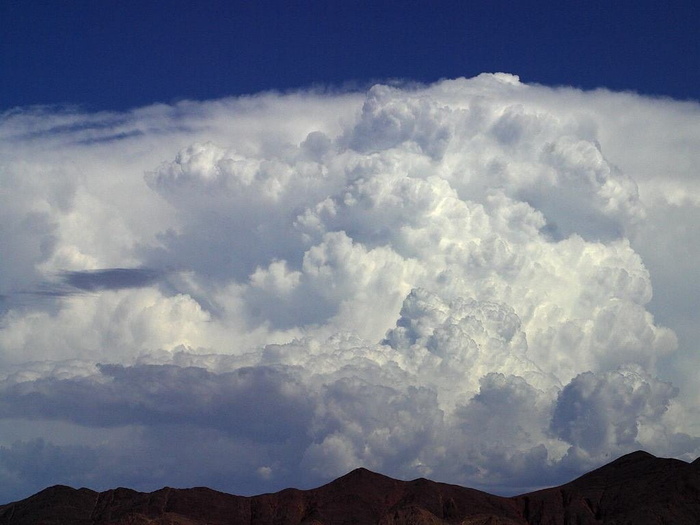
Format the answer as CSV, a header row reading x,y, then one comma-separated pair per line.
x,y
451,281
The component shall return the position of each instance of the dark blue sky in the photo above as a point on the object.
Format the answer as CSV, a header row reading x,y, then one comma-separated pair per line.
x,y
111,54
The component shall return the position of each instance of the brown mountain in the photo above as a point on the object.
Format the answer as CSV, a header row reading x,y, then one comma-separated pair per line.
x,y
636,489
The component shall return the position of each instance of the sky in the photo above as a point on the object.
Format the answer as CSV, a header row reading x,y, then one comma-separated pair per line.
x,y
117,55
253,246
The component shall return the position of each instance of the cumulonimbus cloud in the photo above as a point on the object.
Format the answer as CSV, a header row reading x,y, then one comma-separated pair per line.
x,y
446,280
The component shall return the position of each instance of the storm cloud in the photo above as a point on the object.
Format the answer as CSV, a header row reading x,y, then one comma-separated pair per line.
x,y
458,280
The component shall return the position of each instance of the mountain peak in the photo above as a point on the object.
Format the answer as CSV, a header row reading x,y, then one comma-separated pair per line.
x,y
637,455
361,474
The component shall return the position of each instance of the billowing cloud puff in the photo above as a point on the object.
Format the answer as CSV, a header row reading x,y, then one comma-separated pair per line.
x,y
602,413
122,323
447,280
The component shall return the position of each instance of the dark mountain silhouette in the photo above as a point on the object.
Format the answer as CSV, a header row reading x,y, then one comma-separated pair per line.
x,y
635,489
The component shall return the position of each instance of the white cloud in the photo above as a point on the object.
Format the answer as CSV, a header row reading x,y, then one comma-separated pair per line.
x,y
104,326
451,280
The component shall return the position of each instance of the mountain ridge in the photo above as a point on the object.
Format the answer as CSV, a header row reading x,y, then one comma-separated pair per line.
x,y
636,488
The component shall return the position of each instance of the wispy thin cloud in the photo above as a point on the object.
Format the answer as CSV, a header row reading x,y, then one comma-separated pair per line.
x,y
110,278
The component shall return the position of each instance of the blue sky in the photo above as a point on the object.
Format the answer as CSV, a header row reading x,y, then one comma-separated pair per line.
x,y
121,54
305,238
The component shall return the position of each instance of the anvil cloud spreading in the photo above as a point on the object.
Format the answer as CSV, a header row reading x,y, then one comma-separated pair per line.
x,y
478,281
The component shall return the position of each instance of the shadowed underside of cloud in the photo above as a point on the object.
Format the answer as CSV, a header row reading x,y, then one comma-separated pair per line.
x,y
444,280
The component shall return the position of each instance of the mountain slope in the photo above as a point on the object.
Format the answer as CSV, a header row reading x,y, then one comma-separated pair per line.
x,y
637,488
